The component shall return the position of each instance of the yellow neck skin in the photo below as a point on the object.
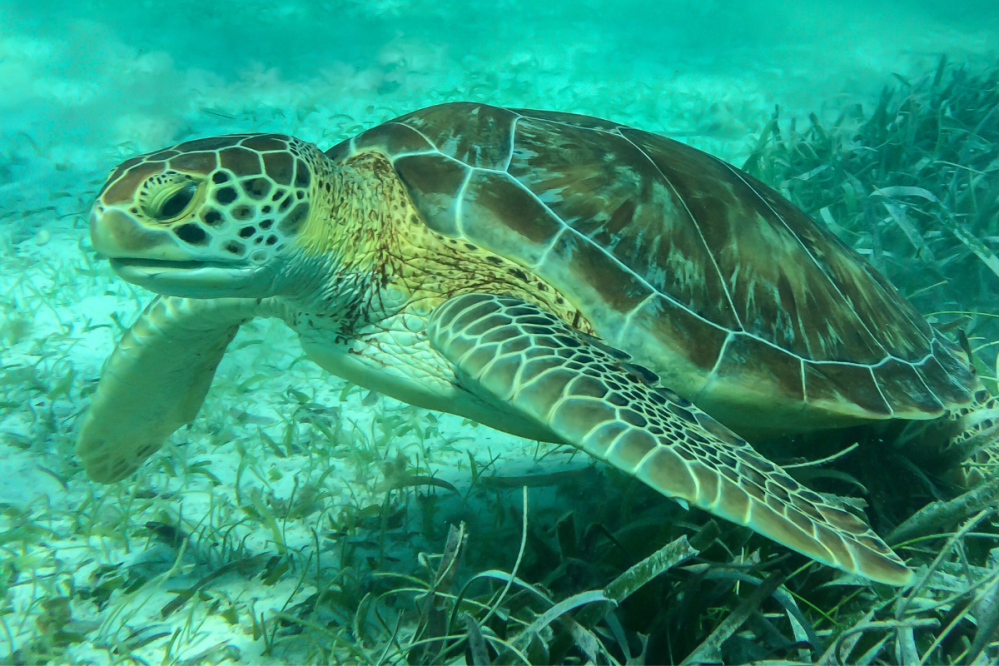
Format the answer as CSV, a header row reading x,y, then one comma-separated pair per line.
x,y
367,222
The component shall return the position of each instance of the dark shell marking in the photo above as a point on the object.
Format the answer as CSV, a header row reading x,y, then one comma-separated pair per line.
x,y
737,298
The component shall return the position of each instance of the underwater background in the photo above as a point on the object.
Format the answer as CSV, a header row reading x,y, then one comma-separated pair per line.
x,y
301,519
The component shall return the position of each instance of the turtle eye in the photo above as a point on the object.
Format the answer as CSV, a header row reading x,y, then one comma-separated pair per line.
x,y
176,202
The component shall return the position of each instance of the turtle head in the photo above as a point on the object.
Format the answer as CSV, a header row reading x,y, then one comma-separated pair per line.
x,y
207,218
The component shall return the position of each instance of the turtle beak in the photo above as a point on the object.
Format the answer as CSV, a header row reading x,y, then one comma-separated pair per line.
x,y
116,234
157,260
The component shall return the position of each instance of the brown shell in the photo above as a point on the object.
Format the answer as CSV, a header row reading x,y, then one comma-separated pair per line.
x,y
736,298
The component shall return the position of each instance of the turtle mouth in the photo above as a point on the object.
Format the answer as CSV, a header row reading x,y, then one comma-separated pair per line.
x,y
151,265
192,279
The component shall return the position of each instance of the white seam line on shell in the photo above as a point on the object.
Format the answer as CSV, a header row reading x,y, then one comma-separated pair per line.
x,y
629,318
421,153
436,150
804,249
877,385
551,246
624,267
700,233
509,152
566,228
459,204
413,129
721,357
925,360
804,385
656,292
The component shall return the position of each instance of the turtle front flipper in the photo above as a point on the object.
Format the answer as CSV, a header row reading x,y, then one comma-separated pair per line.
x,y
518,355
156,381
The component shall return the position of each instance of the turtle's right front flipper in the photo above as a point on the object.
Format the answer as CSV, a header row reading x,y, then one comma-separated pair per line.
x,y
518,355
156,381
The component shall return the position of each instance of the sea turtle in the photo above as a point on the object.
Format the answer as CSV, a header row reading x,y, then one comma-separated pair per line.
x,y
551,275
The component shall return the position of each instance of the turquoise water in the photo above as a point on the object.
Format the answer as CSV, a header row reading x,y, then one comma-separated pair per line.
x,y
285,461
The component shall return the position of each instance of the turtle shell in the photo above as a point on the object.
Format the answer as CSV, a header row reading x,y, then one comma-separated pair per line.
x,y
737,299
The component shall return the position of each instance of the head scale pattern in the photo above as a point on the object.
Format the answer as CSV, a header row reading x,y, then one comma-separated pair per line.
x,y
240,197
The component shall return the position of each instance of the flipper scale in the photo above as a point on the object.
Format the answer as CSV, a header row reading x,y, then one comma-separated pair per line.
x,y
590,397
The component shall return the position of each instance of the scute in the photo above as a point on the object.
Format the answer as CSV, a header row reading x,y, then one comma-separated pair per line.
x,y
772,369
434,183
394,138
737,299
476,134
512,211
844,387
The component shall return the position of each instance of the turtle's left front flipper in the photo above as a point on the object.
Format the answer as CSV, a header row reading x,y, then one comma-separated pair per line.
x,y
156,380
519,356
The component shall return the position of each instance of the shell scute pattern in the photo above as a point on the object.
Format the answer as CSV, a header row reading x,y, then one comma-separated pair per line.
x,y
677,327
571,119
490,196
767,287
476,135
662,242
775,370
434,183
393,138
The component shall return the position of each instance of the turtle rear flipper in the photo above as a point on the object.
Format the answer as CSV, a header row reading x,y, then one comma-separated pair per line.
x,y
156,381
588,395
